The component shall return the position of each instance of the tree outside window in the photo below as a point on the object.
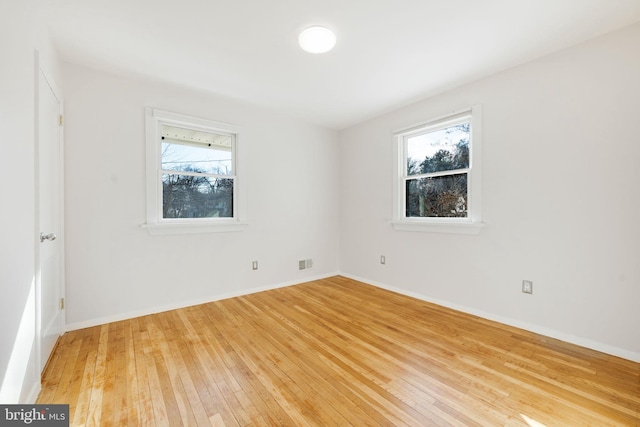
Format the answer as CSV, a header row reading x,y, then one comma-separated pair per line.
x,y
197,173
437,170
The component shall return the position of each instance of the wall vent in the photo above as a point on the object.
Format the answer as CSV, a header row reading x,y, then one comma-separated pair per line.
x,y
304,264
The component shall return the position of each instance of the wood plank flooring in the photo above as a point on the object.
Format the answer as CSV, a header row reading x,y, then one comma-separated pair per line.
x,y
333,352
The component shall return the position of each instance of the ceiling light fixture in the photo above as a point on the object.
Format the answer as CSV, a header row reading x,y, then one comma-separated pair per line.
x,y
317,40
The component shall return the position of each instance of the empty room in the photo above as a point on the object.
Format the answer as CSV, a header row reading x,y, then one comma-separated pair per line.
x,y
321,213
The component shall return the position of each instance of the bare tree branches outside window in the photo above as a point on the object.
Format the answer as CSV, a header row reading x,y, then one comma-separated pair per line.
x,y
197,174
437,169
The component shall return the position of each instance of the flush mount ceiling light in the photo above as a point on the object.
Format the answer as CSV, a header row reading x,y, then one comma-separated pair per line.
x,y
317,40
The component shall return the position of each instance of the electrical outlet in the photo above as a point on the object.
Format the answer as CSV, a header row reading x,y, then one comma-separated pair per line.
x,y
527,286
383,259
254,265
308,263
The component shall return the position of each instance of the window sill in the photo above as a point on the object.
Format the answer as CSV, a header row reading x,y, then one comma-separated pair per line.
x,y
451,227
193,228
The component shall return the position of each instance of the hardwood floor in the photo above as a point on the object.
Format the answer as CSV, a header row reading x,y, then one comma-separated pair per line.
x,y
333,352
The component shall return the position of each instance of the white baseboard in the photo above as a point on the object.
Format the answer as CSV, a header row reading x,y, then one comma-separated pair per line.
x,y
32,395
187,303
551,333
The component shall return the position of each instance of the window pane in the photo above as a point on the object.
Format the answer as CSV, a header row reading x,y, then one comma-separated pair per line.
x,y
187,150
442,150
186,196
442,196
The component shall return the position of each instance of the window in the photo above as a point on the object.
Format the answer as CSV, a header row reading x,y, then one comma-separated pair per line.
x,y
192,175
438,175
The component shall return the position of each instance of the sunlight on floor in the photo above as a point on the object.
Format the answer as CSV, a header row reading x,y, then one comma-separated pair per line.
x,y
22,350
531,422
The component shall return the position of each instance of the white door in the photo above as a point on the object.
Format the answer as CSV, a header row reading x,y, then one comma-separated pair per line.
x,y
50,304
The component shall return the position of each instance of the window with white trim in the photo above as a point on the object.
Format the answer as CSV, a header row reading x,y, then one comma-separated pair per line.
x,y
437,175
192,175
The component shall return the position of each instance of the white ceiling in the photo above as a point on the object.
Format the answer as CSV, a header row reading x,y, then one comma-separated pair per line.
x,y
389,52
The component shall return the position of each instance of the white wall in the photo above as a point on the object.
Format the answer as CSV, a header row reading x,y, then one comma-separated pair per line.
x,y
21,35
115,269
561,200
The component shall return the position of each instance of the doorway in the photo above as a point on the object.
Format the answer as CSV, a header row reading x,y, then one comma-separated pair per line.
x,y
50,319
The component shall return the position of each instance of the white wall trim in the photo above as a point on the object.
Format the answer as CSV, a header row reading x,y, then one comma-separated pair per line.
x,y
33,394
551,333
188,303
471,225
451,227
194,228
156,224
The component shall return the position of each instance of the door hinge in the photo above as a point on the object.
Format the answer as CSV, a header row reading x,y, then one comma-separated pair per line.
x,y
61,303
60,120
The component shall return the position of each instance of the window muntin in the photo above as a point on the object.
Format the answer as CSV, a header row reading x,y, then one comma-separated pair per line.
x,y
437,175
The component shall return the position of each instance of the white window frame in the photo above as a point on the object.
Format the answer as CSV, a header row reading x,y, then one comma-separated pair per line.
x,y
156,225
472,224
